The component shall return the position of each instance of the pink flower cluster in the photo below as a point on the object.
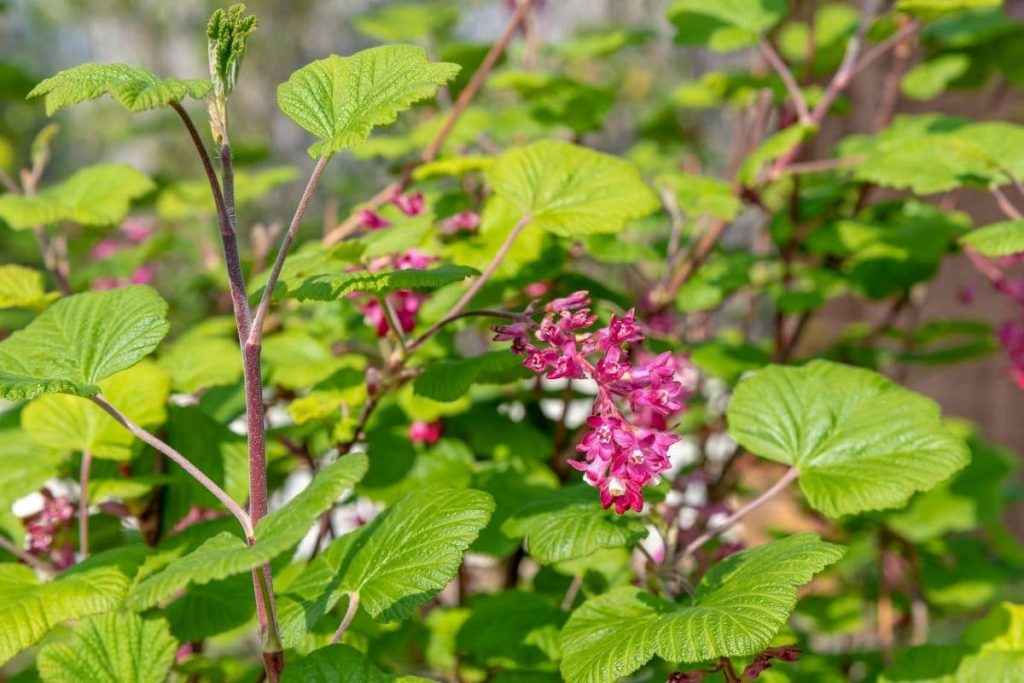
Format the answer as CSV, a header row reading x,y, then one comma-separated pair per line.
x,y
1011,338
425,433
620,454
132,232
49,531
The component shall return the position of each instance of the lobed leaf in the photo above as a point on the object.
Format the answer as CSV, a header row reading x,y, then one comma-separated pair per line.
x,y
22,287
341,99
135,88
859,441
999,239
738,607
334,286
81,340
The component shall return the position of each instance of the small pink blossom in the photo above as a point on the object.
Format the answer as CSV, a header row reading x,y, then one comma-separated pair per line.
x,y
105,249
136,230
464,221
536,290
409,204
371,220
421,432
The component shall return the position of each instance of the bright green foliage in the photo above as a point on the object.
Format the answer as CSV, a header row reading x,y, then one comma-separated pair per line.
x,y
205,356
111,648
998,239
396,563
24,466
991,650
930,79
570,524
571,190
22,287
512,629
226,34
96,195
859,441
135,88
450,380
333,286
935,8
739,606
81,340
225,554
341,99
72,423
336,663
408,22
30,608
727,25
696,195
186,198
773,147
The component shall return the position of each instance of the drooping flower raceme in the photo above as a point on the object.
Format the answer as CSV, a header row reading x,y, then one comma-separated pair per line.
x,y
627,444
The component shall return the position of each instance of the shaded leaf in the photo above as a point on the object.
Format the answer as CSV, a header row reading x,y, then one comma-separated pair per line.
x,y
449,380
339,664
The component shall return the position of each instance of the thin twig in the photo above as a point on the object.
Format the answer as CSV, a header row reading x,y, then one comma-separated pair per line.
x,y
1005,205
183,462
572,592
848,67
792,87
434,148
393,322
350,613
25,556
256,329
477,285
83,505
789,477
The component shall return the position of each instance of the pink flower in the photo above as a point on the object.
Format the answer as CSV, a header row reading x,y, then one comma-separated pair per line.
x,y
1011,338
623,493
575,300
465,221
606,436
421,432
144,274
136,230
409,204
105,249
537,289
371,220
612,366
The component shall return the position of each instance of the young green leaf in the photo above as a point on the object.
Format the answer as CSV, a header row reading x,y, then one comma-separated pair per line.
x,y
334,286
22,287
998,239
450,380
396,563
725,25
930,79
227,33
738,607
570,524
859,441
341,99
226,554
340,663
111,648
96,195
135,88
81,340
571,190
72,423
29,609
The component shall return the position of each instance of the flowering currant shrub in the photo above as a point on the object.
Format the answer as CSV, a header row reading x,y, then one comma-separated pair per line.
x,y
546,378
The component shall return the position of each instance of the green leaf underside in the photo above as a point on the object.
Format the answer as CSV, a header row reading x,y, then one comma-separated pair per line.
x,y
111,648
570,524
998,239
22,287
226,554
396,563
859,441
81,340
571,190
333,286
135,88
341,99
96,195
339,664
73,423
738,607
29,609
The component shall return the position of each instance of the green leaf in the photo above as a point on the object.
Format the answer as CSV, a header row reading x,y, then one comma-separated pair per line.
x,y
24,467
72,423
226,554
571,190
81,340
570,524
725,25
135,88
334,286
96,195
998,239
991,650
111,648
698,195
29,609
937,8
205,356
512,629
185,198
226,36
859,441
407,22
396,563
22,287
930,79
450,380
773,147
339,664
341,99
738,607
